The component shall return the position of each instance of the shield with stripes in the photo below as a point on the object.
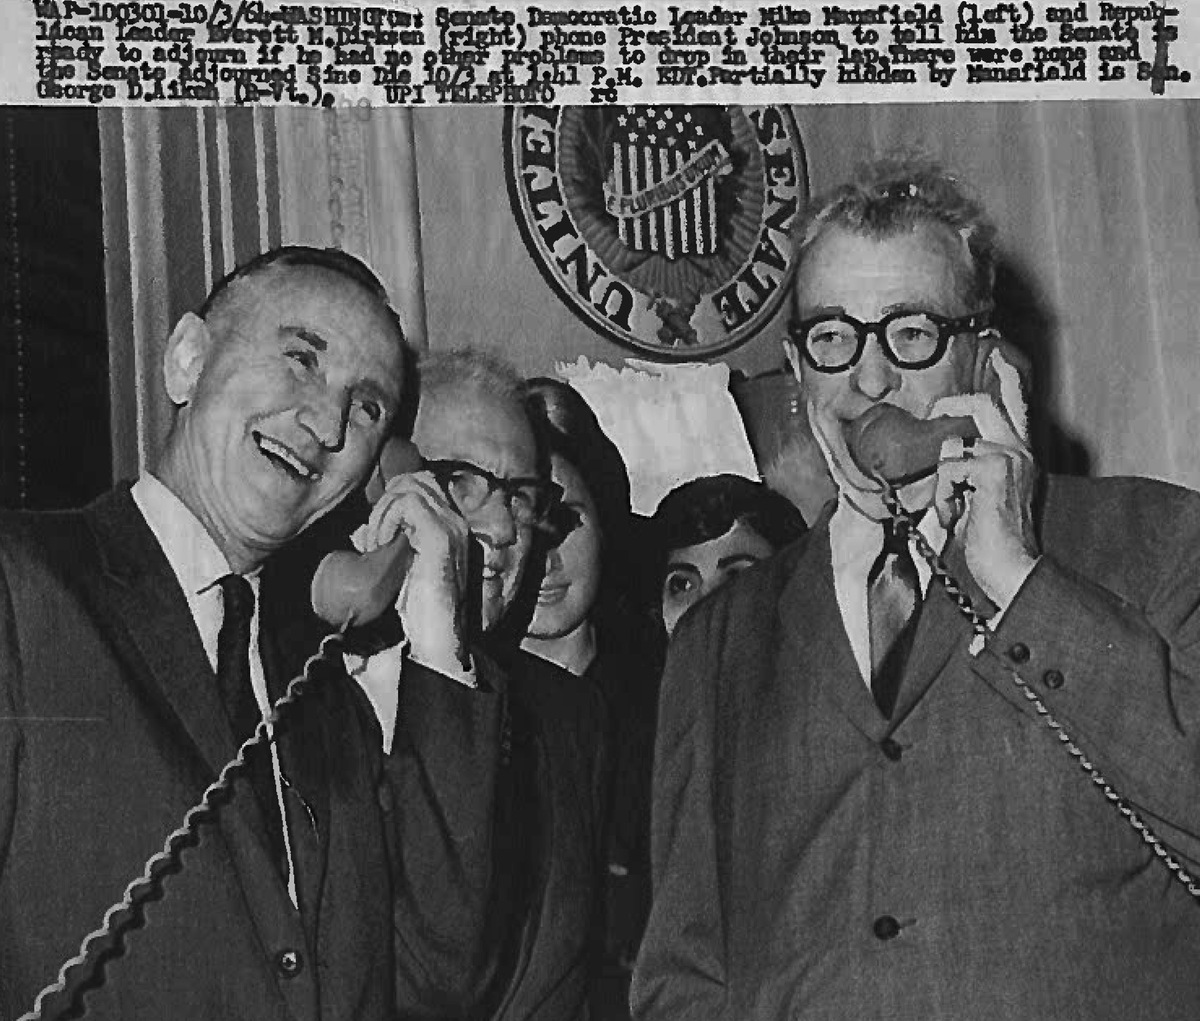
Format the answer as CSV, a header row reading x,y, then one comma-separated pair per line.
x,y
663,183
666,228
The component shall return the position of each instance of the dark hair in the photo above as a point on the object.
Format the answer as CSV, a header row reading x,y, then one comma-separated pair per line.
x,y
567,427
706,508
294,256
896,193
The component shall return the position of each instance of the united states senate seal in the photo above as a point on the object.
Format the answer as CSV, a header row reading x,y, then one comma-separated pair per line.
x,y
668,229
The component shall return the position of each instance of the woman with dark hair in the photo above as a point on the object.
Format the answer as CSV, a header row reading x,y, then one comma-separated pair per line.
x,y
709,529
584,587
583,690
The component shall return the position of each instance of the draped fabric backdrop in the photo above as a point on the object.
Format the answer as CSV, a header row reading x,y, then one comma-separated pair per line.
x,y
191,193
1096,203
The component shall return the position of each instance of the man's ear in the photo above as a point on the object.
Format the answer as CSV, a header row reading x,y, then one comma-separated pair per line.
x,y
187,352
792,354
1004,372
984,376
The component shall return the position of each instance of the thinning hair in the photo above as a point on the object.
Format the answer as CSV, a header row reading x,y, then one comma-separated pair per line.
x,y
897,193
227,291
443,373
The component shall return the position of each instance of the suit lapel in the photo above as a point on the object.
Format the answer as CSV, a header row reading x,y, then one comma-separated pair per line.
x,y
139,598
135,597
942,630
146,615
815,641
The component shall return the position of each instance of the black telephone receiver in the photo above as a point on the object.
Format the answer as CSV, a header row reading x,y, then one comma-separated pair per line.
x,y
351,588
887,442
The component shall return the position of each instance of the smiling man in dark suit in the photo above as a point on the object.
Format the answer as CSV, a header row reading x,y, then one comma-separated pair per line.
x,y
859,808
135,657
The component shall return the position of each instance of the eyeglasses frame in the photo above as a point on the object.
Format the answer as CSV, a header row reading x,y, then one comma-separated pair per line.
x,y
442,469
947,327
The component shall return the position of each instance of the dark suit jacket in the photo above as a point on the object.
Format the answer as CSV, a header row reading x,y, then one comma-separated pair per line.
x,y
552,841
813,860
110,729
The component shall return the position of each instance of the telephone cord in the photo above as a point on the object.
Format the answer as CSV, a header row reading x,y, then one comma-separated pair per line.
x,y
153,875
979,624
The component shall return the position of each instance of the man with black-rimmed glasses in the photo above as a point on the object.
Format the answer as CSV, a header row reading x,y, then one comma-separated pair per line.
x,y
480,470
864,806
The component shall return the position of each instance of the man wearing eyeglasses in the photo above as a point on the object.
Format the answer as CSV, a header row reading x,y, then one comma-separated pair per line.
x,y
467,499
478,473
860,810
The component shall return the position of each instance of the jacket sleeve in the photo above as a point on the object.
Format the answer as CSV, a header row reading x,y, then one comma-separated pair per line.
x,y
1120,671
680,972
442,776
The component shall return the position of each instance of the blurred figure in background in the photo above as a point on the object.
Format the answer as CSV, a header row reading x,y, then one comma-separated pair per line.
x,y
585,662
709,529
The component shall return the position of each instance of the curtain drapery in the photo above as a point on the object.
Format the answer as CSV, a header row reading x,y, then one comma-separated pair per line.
x,y
191,193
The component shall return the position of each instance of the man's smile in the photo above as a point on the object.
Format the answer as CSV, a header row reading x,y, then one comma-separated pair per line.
x,y
286,458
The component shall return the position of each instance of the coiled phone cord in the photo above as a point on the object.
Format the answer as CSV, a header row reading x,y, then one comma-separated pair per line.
x,y
154,873
979,624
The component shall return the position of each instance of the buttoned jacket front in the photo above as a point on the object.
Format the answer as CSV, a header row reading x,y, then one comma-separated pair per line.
x,y
813,860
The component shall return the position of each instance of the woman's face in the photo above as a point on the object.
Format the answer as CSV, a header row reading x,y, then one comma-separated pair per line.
x,y
572,576
695,571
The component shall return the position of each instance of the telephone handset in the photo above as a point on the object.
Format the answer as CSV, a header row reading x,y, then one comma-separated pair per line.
x,y
351,588
896,448
348,588
888,443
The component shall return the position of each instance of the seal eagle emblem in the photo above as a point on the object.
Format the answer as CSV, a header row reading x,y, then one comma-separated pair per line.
x,y
668,229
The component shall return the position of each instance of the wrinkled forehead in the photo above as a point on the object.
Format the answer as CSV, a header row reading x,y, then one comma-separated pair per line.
x,y
344,318
925,265
471,423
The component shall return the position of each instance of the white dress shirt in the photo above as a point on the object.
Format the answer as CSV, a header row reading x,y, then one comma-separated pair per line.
x,y
198,566
855,541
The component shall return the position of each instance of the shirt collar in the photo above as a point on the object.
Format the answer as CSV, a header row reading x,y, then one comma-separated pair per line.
x,y
853,536
193,555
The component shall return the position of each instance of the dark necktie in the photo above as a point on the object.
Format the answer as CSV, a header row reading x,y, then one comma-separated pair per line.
x,y
237,694
893,603
233,657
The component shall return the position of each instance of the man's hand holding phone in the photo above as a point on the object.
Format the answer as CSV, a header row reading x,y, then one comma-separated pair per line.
x,y
434,598
985,487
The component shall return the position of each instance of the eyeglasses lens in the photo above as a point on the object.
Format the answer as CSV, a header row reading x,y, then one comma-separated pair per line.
x,y
912,338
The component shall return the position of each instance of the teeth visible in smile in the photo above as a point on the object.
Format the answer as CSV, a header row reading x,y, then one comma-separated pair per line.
x,y
277,449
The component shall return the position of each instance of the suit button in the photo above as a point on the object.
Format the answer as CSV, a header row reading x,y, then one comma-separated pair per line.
x,y
384,794
289,963
1053,679
1018,652
886,927
891,749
